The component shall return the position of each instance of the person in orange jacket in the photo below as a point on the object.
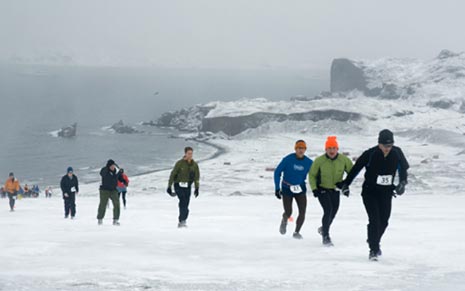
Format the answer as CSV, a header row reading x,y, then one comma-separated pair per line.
x,y
123,187
11,188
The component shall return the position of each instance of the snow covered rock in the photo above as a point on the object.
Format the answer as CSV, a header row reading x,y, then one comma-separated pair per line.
x,y
187,119
439,83
121,128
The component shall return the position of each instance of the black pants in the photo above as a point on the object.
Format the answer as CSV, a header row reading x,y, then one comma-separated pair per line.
x,y
12,198
301,200
70,204
123,194
329,201
378,207
184,196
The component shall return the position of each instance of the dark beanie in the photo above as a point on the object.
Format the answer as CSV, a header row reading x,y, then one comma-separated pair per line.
x,y
386,137
12,174
110,163
69,170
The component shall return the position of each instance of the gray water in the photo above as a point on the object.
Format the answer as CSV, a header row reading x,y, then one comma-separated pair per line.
x,y
36,100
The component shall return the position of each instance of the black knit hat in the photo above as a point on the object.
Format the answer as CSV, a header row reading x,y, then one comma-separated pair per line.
x,y
110,163
386,137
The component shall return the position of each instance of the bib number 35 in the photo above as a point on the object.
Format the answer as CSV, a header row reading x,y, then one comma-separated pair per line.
x,y
384,180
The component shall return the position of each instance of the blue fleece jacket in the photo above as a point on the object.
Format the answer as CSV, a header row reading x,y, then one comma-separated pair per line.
x,y
295,171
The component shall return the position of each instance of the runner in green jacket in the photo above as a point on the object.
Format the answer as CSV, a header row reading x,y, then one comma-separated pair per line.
x,y
326,173
185,173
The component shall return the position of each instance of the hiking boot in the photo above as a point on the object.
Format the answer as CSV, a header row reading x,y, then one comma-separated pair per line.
x,y
327,241
283,226
297,235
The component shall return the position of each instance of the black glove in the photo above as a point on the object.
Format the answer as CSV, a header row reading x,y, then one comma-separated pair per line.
x,y
400,189
169,191
196,193
278,194
345,190
316,193
339,185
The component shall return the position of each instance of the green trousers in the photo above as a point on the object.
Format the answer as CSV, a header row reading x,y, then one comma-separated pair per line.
x,y
104,196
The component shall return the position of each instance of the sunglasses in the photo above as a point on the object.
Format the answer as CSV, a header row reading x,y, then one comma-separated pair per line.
x,y
388,146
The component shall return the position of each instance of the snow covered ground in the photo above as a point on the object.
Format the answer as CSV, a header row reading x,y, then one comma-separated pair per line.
x,y
233,242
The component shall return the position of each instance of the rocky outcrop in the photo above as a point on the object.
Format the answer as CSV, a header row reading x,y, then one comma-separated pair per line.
x,y
347,76
189,119
237,124
69,131
120,127
429,82
441,104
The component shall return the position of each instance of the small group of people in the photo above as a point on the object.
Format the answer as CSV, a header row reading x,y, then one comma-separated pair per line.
x,y
114,185
326,179
31,192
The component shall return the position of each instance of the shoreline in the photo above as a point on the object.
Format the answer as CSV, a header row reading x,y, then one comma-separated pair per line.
x,y
219,152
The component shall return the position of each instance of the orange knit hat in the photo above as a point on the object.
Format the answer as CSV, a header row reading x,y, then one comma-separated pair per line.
x,y
300,144
331,142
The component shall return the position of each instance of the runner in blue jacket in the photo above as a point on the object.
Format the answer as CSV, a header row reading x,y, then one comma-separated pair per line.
x,y
289,179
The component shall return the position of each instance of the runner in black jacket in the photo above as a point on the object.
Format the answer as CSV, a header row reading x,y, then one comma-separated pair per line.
x,y
70,187
381,163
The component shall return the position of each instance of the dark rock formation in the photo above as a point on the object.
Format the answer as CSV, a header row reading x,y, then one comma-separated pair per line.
x,y
69,131
441,104
346,76
120,127
235,125
445,54
189,119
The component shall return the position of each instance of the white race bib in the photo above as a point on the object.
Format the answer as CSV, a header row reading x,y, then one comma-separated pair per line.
x,y
296,189
384,180
73,189
183,184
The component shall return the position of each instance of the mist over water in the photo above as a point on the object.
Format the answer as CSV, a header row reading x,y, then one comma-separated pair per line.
x,y
37,99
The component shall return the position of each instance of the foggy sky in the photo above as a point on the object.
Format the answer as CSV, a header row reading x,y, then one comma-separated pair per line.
x,y
229,34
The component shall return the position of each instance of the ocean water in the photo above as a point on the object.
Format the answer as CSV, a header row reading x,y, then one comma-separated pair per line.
x,y
37,100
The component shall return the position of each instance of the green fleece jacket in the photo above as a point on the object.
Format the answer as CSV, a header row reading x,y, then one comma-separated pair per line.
x,y
185,172
326,172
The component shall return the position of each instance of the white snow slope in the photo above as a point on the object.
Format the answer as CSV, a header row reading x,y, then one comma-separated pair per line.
x,y
233,242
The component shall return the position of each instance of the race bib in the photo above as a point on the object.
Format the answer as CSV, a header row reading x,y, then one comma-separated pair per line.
x,y
73,189
183,184
296,189
384,180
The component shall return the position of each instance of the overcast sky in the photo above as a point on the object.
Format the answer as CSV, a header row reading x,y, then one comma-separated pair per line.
x,y
229,34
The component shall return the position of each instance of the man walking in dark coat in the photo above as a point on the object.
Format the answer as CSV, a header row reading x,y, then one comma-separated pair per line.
x,y
110,176
70,188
